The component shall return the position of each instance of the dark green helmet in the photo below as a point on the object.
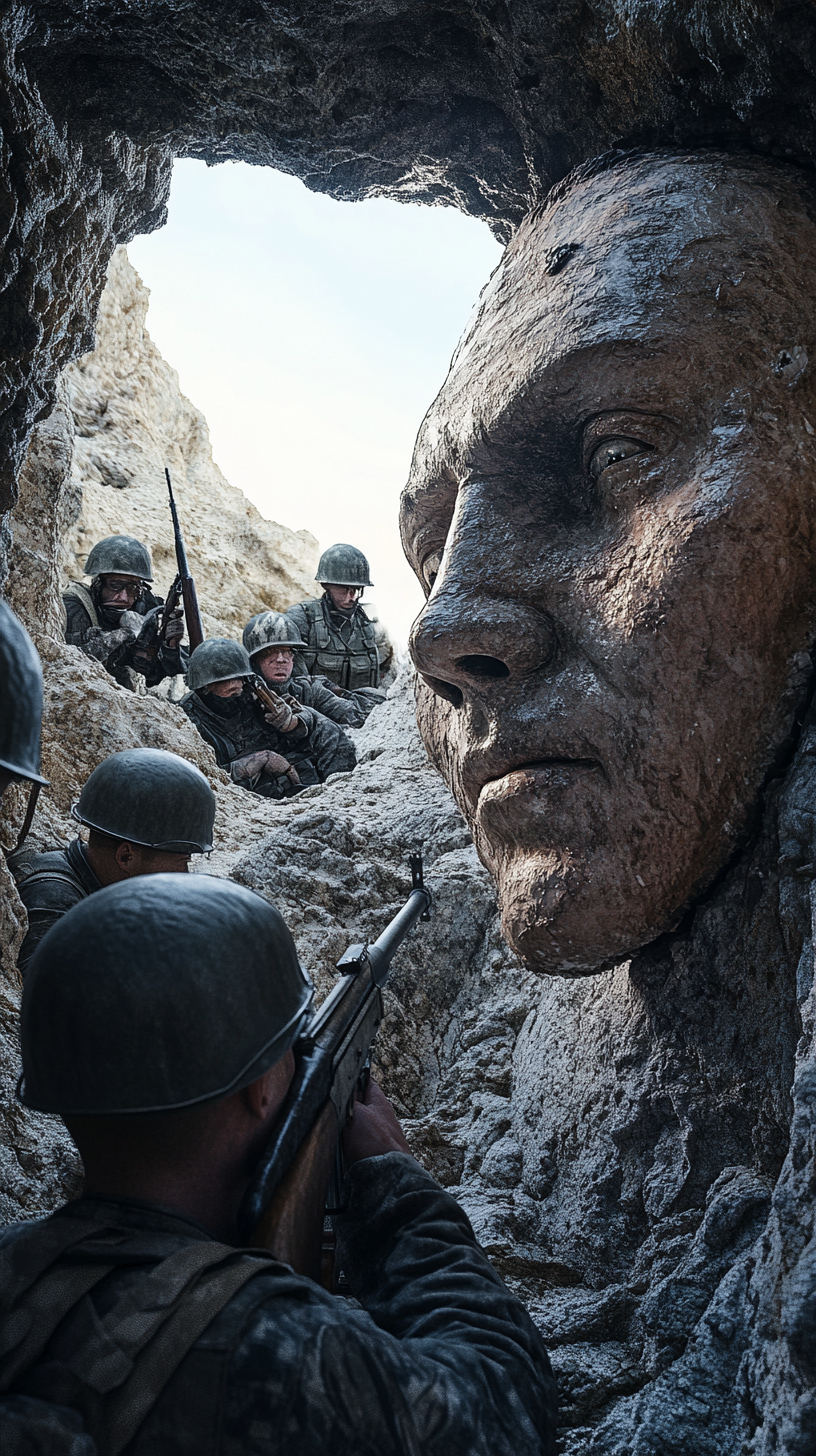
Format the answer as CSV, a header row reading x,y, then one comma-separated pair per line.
x,y
343,565
151,797
217,660
159,992
270,629
120,554
21,700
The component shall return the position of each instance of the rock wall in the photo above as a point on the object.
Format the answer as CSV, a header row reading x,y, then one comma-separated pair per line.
x,y
130,420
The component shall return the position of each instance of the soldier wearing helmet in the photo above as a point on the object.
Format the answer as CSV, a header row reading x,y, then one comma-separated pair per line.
x,y
272,639
270,751
340,637
21,701
117,619
147,811
160,1020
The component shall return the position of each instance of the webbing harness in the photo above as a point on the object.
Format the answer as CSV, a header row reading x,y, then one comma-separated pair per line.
x,y
126,1357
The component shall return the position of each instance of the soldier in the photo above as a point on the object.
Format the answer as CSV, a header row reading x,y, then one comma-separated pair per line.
x,y
117,620
271,639
270,752
147,811
158,1021
341,639
21,698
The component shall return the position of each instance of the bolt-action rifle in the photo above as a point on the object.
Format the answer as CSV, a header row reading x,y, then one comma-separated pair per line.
x,y
268,698
299,1176
183,586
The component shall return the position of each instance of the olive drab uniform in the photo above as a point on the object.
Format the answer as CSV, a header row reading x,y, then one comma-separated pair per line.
x,y
48,885
111,637
235,727
341,646
127,1321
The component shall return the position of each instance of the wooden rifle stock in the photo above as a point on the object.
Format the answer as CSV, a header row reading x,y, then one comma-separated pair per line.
x,y
189,595
284,1207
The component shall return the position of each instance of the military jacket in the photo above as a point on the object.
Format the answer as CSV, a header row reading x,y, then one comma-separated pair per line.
x,y
319,749
49,884
112,642
342,648
436,1359
348,708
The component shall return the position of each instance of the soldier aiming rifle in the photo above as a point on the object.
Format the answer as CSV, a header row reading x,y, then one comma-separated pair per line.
x,y
168,1021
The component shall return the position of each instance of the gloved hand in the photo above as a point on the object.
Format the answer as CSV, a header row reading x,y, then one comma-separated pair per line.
x,y
174,631
281,717
264,761
149,628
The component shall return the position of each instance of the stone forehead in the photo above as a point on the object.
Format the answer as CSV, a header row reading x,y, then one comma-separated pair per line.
x,y
610,255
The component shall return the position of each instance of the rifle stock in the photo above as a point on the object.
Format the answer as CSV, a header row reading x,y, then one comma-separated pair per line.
x,y
284,1206
189,595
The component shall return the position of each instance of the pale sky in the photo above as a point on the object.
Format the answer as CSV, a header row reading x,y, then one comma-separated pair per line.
x,y
313,334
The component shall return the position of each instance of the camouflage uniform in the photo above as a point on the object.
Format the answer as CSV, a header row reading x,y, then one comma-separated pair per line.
x,y
49,884
110,637
342,646
235,727
440,1360
350,709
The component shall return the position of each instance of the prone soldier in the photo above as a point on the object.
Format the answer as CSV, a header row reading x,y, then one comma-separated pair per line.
x,y
147,811
158,1021
271,639
271,750
117,620
341,640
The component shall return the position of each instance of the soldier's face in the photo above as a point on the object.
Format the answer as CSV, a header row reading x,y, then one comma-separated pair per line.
x,y
232,688
275,664
120,591
611,509
345,598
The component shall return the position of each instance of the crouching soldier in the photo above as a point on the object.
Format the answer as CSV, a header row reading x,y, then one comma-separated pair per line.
x,y
341,641
159,1020
271,750
147,811
272,639
117,620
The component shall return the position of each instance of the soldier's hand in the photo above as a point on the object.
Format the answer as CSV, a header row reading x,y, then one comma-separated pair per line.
x,y
250,766
149,629
276,765
374,1128
174,631
281,717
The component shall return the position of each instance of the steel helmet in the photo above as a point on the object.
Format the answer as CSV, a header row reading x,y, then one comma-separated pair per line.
x,y
21,699
217,660
159,992
270,629
151,797
120,553
342,565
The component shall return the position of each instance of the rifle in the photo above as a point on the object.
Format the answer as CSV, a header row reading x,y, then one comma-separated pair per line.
x,y
299,1176
184,582
267,697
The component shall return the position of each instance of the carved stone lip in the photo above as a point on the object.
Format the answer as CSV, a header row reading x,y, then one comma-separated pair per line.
x,y
511,776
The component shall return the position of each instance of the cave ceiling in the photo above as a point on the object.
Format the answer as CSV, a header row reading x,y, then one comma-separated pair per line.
x,y
481,105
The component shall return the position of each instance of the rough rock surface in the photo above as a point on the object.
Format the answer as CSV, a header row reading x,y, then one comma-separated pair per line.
x,y
482,106
129,420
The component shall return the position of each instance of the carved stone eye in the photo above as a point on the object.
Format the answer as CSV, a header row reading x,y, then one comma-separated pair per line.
x,y
430,568
610,452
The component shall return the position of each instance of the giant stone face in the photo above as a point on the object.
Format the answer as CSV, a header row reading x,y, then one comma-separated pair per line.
x,y
612,508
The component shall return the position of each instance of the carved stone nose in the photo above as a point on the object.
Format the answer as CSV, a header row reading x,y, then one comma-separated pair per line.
x,y
459,643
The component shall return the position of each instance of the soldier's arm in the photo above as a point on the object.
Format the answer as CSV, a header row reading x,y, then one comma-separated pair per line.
x,y
341,708
442,1360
